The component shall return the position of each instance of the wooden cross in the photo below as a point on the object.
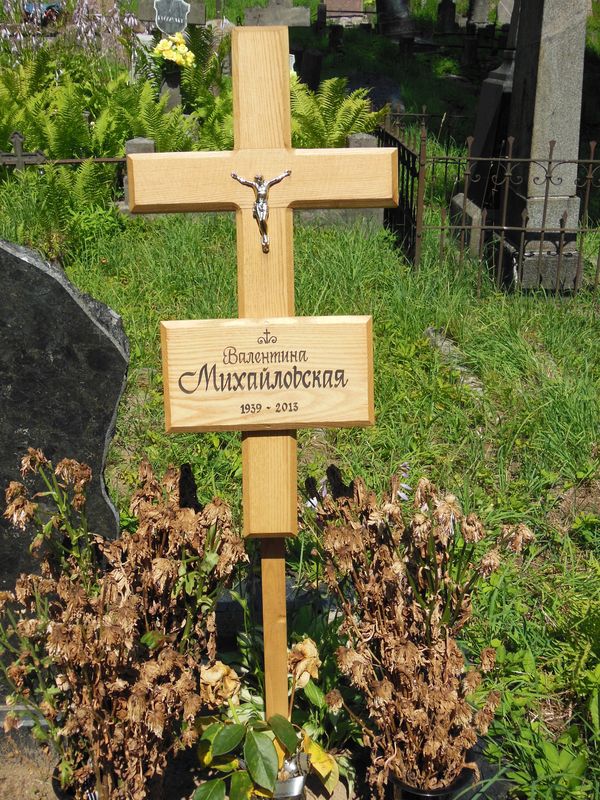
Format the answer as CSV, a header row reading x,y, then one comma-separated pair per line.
x,y
18,159
202,181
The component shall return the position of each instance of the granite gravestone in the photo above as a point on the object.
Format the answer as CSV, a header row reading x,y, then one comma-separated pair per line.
x,y
479,11
505,11
278,12
394,19
149,12
171,15
446,16
546,106
63,362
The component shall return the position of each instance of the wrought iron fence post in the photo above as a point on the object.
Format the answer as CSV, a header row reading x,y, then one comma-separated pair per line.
x,y
589,177
421,193
503,219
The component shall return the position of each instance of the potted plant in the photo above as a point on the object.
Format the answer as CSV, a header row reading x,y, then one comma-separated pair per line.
x,y
404,589
111,647
246,756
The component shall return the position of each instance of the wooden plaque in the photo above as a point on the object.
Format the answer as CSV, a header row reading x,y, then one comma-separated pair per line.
x,y
267,374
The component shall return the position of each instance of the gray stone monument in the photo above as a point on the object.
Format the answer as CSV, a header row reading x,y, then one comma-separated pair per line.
x,y
278,12
535,100
394,19
489,139
446,16
546,106
479,12
63,362
505,11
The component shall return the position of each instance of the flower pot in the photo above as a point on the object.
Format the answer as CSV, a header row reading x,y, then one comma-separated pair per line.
x,y
403,792
171,84
291,789
69,794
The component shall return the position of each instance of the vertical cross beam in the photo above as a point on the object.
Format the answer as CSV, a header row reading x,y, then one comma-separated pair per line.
x,y
261,113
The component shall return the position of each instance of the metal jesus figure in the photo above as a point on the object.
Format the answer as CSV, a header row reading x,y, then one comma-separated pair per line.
x,y
260,210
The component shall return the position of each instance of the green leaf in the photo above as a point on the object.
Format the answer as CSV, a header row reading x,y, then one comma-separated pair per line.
x,y
578,765
284,731
551,753
529,662
152,639
261,759
210,733
211,790
241,786
314,695
227,739
594,706
226,763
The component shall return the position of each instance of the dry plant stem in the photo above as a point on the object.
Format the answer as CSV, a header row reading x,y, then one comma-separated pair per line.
x,y
404,590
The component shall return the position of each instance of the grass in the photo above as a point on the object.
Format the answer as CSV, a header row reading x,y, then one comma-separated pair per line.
x,y
535,424
510,452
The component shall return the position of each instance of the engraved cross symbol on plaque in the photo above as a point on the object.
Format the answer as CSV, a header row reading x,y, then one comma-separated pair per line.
x,y
201,181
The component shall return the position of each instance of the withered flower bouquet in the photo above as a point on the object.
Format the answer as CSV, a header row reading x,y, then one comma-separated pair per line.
x,y
113,642
404,589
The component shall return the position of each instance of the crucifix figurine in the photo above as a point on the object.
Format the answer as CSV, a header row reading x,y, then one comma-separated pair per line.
x,y
260,209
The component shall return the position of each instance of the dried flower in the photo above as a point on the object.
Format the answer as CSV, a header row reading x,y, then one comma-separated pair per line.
x,y
304,662
33,461
472,681
20,511
421,529
218,685
484,717
488,659
334,700
114,615
489,563
403,600
11,722
472,529
517,537
73,473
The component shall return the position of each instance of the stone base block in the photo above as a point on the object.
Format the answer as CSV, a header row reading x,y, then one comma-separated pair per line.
x,y
546,270
472,222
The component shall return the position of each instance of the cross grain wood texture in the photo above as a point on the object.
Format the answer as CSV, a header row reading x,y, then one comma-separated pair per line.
x,y
320,178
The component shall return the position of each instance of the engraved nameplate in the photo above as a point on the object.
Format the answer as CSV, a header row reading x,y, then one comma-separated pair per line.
x,y
268,374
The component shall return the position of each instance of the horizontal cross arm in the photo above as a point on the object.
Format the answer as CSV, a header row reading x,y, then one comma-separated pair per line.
x,y
201,181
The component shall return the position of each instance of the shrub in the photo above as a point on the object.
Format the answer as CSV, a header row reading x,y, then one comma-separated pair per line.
x,y
113,642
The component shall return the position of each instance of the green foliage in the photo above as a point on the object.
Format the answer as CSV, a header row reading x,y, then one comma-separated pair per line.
x,y
222,739
60,210
326,118
70,112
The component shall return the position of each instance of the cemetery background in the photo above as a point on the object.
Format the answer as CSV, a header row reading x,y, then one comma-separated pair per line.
x,y
527,443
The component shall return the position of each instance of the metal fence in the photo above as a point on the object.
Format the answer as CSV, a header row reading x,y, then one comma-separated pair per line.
x,y
19,159
528,223
473,208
